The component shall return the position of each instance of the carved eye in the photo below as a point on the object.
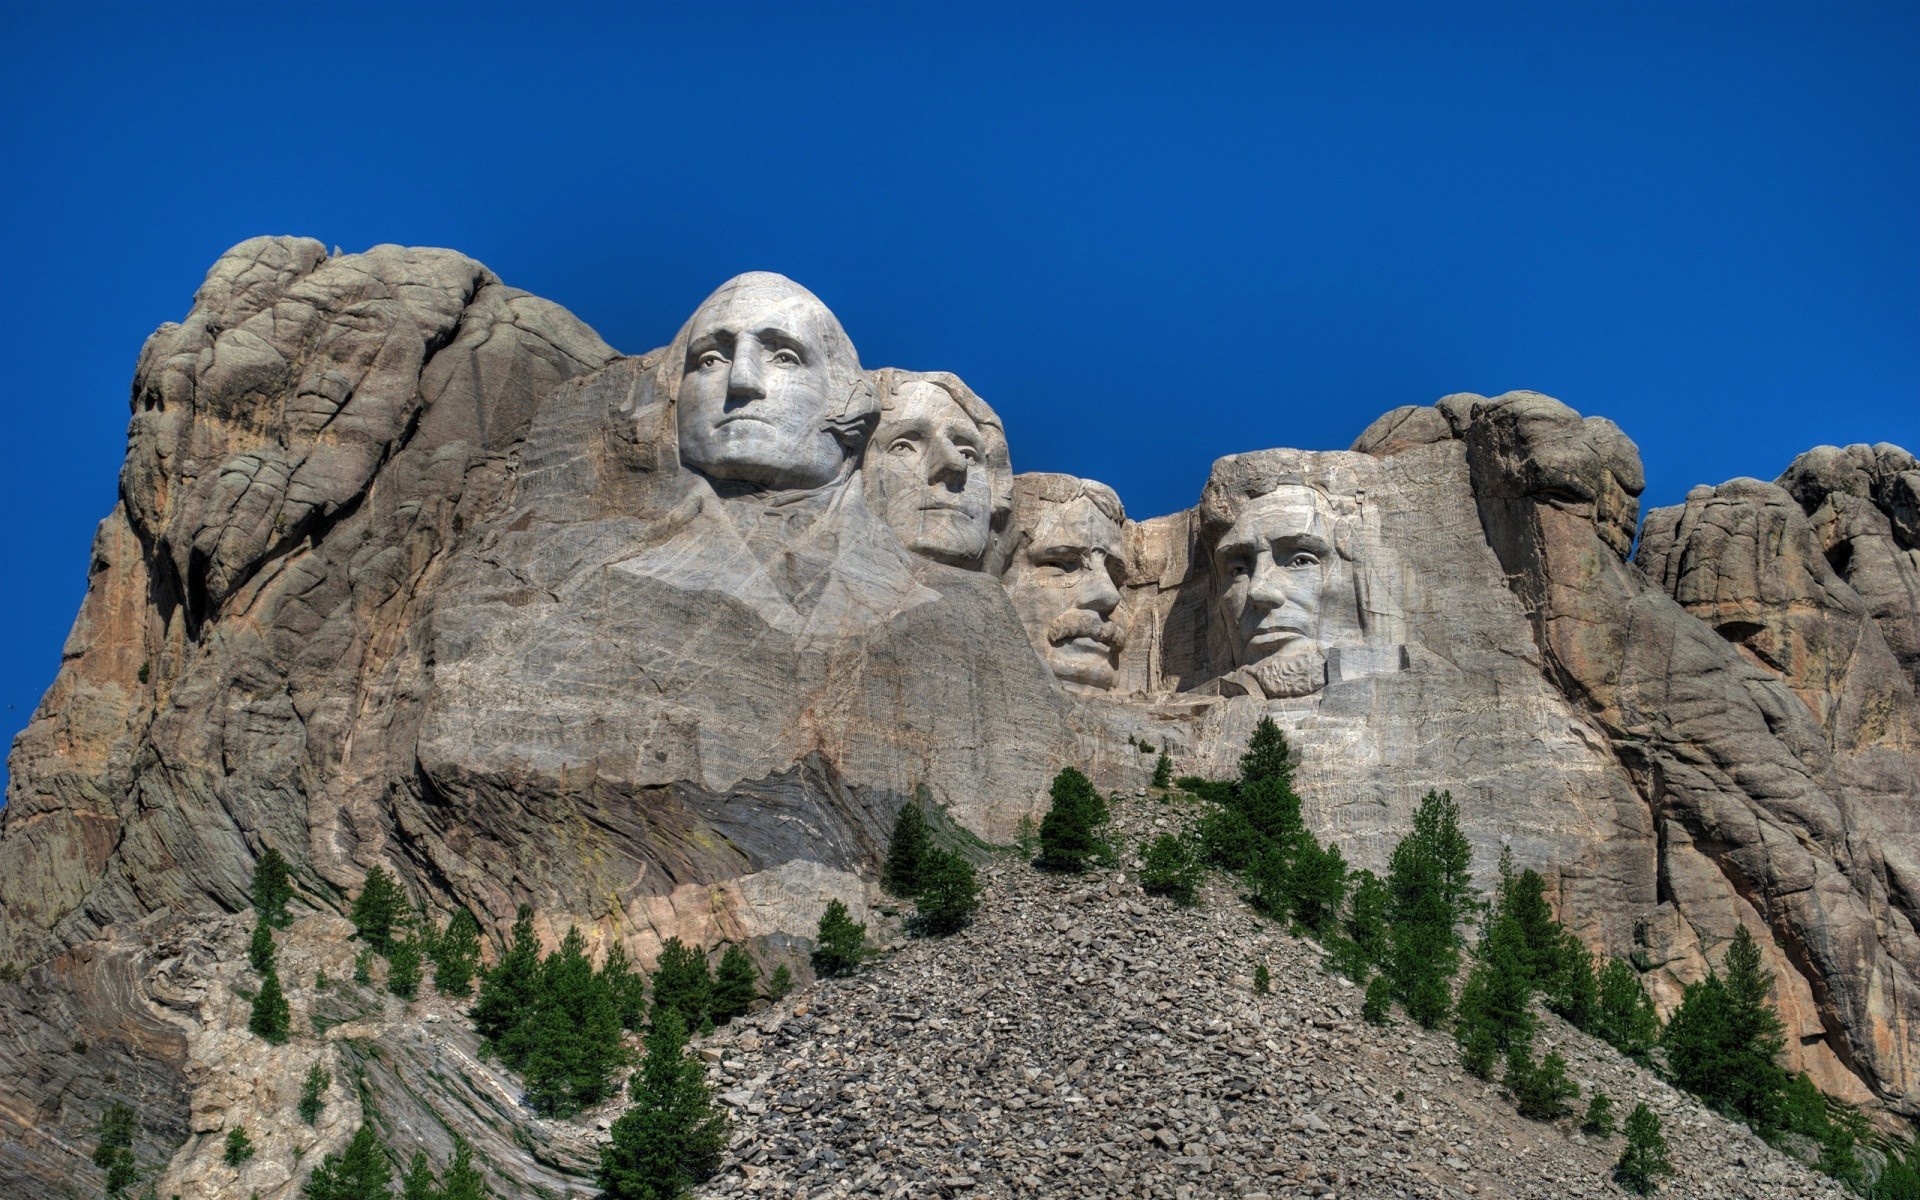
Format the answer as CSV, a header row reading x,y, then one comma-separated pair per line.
x,y
1059,565
902,446
1301,559
1238,568
786,357
710,358
969,453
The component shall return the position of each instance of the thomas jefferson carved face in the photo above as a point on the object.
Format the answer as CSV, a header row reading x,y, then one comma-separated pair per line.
x,y
766,377
1065,583
1274,567
928,462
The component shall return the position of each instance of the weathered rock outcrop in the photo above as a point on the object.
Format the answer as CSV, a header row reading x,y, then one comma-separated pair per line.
x,y
410,568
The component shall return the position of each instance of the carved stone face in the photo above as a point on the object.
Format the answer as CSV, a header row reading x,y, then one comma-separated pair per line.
x,y
1274,567
1065,584
762,359
928,461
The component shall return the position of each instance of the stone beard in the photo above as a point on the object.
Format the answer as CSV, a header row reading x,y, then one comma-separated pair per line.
x,y
1276,569
1065,576
937,469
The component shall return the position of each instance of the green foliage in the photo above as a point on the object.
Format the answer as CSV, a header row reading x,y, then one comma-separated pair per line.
x,y
463,1180
1623,1014
1571,991
673,1136
576,1033
682,982
1836,1126
379,907
780,983
905,851
1540,1090
736,985
1070,832
260,953
947,896
1724,1042
1171,867
1598,1120
403,968
1317,885
360,1172
1163,771
272,889
1377,1009
1429,892
1267,756
313,1093
1228,840
419,1182
1495,1012
1645,1155
456,955
114,1152
272,1017
239,1146
626,986
1262,980
1899,1179
1361,942
503,1014
363,967
1219,792
840,944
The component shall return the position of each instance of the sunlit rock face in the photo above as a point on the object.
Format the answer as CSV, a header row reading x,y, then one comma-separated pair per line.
x,y
410,569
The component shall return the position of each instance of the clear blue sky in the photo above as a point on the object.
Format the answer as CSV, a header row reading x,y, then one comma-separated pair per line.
x,y
1148,236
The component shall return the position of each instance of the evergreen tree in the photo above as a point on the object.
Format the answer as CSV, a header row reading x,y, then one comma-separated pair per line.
x,y
1645,1155
260,952
1360,943
1899,1179
1572,992
360,1172
626,986
313,1093
1163,771
1540,1090
1317,885
1262,980
1542,940
114,1152
905,851
1436,826
735,986
272,1017
1429,891
682,982
1170,867
403,968
378,908
948,894
1267,755
1598,1121
272,889
1228,840
1377,1008
576,1033
780,983
1070,832
1623,1015
1836,1126
418,1183
1724,1042
456,955
503,1014
673,1136
239,1146
463,1180
1495,1009
1268,881
841,944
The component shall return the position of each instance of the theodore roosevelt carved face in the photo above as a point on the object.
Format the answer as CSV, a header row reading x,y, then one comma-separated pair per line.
x,y
770,391
1274,568
937,467
1065,575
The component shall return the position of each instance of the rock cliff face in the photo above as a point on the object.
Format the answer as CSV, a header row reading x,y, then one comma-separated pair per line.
x,y
411,569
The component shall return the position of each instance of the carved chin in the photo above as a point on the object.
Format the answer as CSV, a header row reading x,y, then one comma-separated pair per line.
x,y
1082,666
1301,671
952,538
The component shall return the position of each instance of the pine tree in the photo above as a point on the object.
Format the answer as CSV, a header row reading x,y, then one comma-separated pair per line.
x,y
377,909
1540,1090
1070,832
948,894
905,851
682,982
114,1152
1429,891
1572,992
1623,1015
576,1033
840,944
1437,827
1377,1008
1495,1009
736,985
456,955
1724,1042
1228,840
463,1180
272,888
272,1017
673,1136
313,1093
1317,885
1361,942
1268,881
626,986
418,1183
403,968
1170,867
260,952
1645,1155
1163,771
1598,1121
360,1172
780,983
1542,939
504,1012
1267,755
239,1146
1262,980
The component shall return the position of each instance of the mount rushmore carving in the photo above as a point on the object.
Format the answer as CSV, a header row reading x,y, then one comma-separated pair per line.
x,y
411,569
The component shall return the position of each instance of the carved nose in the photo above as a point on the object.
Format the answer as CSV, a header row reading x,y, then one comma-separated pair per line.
x,y
744,379
1265,591
1098,592
945,464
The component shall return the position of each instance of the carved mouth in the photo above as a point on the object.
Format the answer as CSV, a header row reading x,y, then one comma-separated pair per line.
x,y
723,422
1274,639
1092,644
